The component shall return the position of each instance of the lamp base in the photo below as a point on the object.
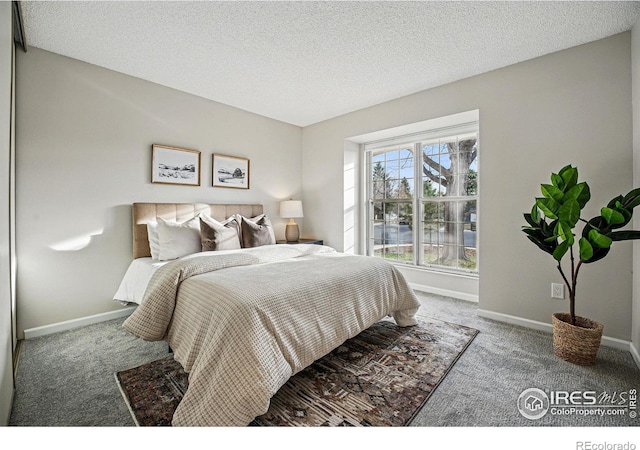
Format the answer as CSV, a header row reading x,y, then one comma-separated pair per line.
x,y
292,233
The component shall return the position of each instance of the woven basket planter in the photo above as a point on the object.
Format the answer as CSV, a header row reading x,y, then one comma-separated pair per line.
x,y
579,343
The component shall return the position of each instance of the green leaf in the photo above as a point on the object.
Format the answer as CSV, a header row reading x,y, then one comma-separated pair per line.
x,y
569,176
599,240
544,247
548,229
548,206
565,233
530,221
586,250
612,216
568,166
538,237
535,216
560,250
557,181
569,213
626,213
624,235
580,193
598,254
615,202
596,223
632,199
551,191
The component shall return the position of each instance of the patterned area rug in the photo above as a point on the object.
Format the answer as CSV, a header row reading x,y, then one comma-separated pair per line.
x,y
381,377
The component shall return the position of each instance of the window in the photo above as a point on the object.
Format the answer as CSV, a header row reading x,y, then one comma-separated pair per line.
x,y
392,193
423,199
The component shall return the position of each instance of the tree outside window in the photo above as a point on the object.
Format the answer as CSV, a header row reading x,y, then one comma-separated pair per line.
x,y
449,178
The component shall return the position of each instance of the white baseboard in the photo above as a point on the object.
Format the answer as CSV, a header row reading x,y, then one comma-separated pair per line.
x,y
444,292
75,323
541,326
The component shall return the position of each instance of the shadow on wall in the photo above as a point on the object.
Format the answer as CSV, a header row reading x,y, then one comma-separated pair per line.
x,y
75,277
104,237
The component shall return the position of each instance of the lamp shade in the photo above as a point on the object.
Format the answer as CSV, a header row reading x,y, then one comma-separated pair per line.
x,y
290,209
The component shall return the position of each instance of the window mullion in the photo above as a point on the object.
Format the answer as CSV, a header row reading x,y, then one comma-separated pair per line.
x,y
369,213
418,235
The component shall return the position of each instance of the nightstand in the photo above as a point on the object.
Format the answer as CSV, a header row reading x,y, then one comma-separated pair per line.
x,y
303,241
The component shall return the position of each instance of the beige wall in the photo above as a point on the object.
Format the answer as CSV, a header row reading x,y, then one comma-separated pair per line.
x,y
84,155
568,107
635,71
6,362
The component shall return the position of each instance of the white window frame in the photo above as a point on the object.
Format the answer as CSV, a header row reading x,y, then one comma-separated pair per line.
x,y
417,140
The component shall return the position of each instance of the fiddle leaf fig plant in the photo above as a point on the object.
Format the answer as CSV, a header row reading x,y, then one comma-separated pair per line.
x,y
555,216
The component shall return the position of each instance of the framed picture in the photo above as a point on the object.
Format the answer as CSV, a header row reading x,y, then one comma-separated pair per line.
x,y
230,172
172,165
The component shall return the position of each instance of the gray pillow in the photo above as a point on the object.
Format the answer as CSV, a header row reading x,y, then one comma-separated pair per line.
x,y
257,233
219,236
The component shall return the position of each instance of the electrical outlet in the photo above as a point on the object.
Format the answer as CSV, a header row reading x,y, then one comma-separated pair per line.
x,y
557,290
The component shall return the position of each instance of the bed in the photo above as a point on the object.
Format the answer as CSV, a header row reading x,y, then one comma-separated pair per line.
x,y
242,321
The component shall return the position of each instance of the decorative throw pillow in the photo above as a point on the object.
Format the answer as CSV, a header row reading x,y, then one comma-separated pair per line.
x,y
256,231
178,239
216,235
261,219
154,242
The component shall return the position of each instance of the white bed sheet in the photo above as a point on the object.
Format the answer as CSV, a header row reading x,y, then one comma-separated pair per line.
x,y
136,279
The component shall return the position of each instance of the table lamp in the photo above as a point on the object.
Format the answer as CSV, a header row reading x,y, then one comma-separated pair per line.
x,y
290,209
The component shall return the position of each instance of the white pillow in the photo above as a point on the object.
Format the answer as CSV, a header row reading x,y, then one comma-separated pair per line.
x,y
154,242
178,239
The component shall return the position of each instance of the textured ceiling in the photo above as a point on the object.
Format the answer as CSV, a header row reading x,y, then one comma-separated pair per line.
x,y
304,62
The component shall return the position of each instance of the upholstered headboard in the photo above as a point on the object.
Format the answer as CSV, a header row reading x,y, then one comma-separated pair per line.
x,y
145,212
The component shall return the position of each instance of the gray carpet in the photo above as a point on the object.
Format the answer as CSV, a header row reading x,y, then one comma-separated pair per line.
x,y
66,379
504,360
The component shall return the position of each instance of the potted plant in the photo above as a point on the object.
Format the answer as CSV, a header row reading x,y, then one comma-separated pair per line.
x,y
551,225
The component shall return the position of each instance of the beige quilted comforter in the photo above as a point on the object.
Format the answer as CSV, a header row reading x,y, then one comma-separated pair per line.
x,y
242,322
